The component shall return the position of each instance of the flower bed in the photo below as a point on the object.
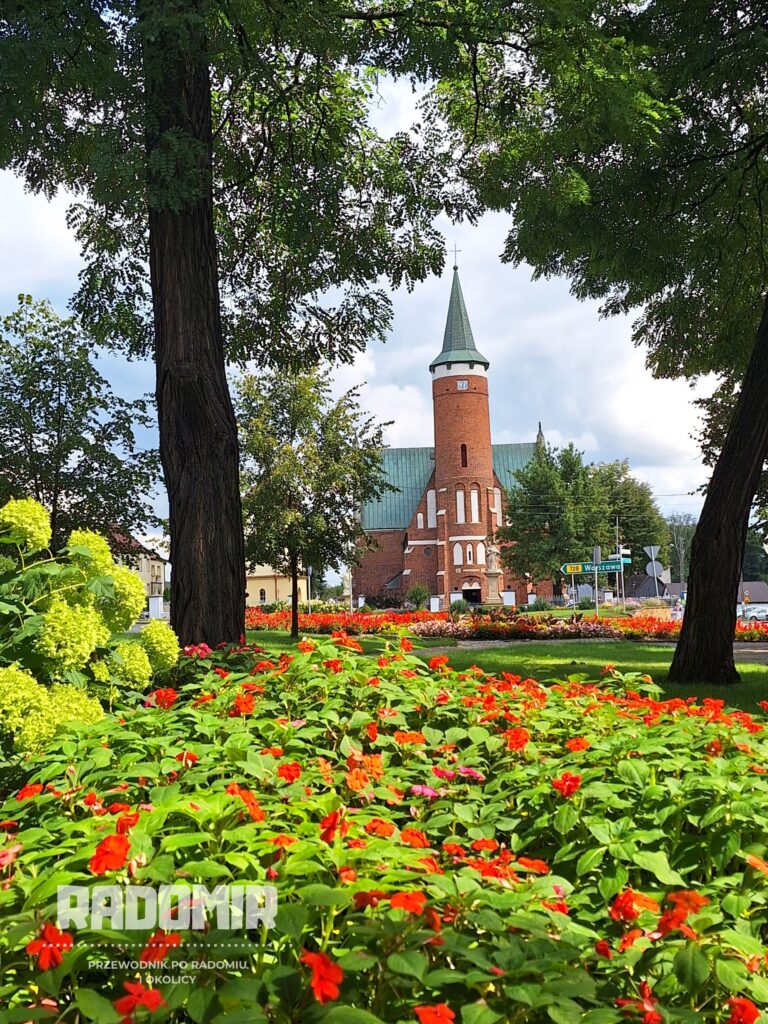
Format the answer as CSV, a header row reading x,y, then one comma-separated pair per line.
x,y
549,627
350,622
445,847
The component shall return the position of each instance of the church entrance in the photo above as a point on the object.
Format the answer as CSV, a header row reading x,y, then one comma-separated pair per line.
x,y
470,591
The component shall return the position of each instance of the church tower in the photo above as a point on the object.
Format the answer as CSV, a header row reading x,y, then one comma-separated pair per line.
x,y
464,477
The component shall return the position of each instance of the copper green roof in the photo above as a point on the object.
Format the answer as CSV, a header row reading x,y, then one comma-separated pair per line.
x,y
458,343
410,469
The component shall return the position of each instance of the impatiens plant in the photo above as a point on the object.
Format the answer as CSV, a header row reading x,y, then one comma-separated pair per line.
x,y
445,847
62,623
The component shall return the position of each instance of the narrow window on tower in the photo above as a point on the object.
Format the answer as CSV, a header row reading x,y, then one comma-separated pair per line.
x,y
470,556
497,504
420,521
481,553
474,505
431,509
460,514
457,554
463,456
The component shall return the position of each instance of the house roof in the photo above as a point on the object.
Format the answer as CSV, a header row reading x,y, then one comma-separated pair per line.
x,y
124,543
409,470
458,342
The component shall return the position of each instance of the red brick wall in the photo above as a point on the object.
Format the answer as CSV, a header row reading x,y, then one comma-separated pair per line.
x,y
380,565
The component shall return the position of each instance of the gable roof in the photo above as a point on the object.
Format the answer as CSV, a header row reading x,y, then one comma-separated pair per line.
x,y
458,341
409,470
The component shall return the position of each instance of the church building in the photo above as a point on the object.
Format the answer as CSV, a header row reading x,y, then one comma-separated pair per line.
x,y
438,527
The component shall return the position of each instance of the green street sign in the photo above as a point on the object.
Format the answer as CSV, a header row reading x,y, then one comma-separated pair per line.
x,y
572,568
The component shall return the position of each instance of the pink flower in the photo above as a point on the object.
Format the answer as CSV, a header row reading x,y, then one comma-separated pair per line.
x,y
443,773
9,854
424,791
471,773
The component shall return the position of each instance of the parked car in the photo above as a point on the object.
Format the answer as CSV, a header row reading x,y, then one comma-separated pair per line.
x,y
755,614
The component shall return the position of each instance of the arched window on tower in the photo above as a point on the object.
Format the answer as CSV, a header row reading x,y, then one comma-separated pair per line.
x,y
458,555
481,553
470,555
431,509
474,505
463,456
420,521
460,513
262,596
497,505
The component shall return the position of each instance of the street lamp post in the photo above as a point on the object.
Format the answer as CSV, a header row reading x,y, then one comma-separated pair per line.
x,y
309,589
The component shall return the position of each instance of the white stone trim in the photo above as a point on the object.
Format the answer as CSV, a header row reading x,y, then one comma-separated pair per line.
x,y
468,536
419,543
459,370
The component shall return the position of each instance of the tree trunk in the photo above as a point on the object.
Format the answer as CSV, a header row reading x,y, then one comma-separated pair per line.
x,y
705,650
198,432
294,597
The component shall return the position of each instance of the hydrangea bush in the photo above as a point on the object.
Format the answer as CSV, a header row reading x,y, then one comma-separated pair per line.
x,y
446,847
62,620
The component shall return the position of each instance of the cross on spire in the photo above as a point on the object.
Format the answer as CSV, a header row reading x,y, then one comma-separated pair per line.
x,y
456,258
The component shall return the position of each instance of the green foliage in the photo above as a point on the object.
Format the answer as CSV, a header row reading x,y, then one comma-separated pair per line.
x,y
417,595
640,521
540,605
161,645
65,438
585,603
558,510
308,463
130,666
460,607
681,527
539,830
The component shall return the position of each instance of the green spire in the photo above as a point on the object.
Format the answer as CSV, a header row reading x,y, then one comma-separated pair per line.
x,y
458,343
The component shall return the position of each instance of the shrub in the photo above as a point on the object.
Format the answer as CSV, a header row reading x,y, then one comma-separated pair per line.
x,y
540,605
585,603
508,852
460,607
417,595
31,714
161,645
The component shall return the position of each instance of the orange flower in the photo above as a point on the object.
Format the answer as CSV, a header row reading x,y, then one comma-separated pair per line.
x,y
326,976
410,902
347,875
438,661
110,855
357,779
485,844
242,705
517,738
305,646
628,904
335,666
414,837
374,765
406,738
438,1013
126,822
49,948
756,862
567,784
743,1010
187,757
159,946
290,771
630,938
540,867
577,743
325,770
379,827
405,644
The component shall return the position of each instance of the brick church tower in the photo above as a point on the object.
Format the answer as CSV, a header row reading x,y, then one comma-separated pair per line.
x,y
436,526
464,477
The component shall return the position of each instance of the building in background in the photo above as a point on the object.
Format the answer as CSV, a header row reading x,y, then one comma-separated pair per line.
x,y
437,528
264,586
147,563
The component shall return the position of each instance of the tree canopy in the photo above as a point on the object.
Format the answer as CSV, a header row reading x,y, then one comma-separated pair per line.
x,y
309,462
65,438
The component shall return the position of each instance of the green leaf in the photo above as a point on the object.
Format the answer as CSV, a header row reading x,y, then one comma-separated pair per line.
x,y
350,1015
691,967
199,1002
411,963
477,1013
291,919
95,1007
656,862
732,974
634,772
589,860
566,818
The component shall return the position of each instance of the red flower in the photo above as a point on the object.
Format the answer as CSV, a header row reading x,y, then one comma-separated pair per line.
x,y
330,824
187,757
110,855
411,902
438,661
630,938
28,791
126,822
484,844
517,738
289,771
567,784
48,948
628,904
414,837
539,866
118,808
326,975
159,946
405,644
743,1010
138,996
372,731
305,646
161,698
242,705
560,906
438,1013
273,751
645,1005
379,827
347,875
603,948
751,859
372,898
333,665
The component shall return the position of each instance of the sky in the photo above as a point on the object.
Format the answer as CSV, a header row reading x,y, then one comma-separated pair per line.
x,y
552,358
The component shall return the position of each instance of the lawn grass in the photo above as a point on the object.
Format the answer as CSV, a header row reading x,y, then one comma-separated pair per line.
x,y
280,640
557,659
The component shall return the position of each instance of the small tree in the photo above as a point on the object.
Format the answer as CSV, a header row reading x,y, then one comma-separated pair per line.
x,y
417,595
65,438
308,464
681,526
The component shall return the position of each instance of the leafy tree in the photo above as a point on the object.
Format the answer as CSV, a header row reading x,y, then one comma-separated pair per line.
x,y
65,438
755,565
681,527
308,464
557,511
672,221
417,595
631,503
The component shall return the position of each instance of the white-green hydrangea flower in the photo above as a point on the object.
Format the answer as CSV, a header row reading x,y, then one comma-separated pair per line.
x,y
99,560
161,644
32,714
69,635
20,696
130,665
25,522
129,601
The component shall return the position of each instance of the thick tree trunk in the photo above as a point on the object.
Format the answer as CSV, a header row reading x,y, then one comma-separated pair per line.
x,y
705,650
294,597
198,432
